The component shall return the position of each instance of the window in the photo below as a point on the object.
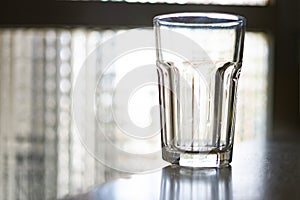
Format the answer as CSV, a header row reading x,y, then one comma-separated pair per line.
x,y
204,2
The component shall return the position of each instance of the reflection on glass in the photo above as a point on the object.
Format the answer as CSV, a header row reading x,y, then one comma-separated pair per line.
x,y
41,156
188,183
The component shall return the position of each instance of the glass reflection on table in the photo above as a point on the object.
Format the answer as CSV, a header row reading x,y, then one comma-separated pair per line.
x,y
189,183
171,183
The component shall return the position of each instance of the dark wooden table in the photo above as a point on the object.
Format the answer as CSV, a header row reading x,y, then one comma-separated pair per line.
x,y
261,169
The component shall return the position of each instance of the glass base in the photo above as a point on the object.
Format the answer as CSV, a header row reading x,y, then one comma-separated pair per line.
x,y
203,160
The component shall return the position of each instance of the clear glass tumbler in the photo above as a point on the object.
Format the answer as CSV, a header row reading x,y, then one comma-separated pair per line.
x,y
199,59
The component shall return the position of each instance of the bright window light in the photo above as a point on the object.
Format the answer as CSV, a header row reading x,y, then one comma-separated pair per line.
x,y
205,2
37,71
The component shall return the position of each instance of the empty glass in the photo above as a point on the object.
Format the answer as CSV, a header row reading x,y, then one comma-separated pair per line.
x,y
199,58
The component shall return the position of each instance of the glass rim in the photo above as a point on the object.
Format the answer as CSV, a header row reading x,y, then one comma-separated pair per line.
x,y
199,19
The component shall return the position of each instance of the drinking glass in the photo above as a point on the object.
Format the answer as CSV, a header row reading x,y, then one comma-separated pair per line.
x,y
199,59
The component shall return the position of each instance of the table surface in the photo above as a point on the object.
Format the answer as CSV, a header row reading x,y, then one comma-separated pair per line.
x,y
261,169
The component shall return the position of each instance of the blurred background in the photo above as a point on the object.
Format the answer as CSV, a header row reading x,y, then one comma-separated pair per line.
x,y
43,45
